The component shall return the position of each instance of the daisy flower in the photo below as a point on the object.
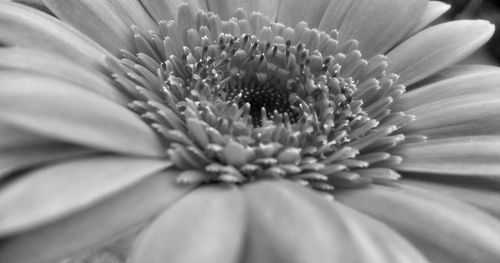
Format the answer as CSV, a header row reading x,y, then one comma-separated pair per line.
x,y
247,131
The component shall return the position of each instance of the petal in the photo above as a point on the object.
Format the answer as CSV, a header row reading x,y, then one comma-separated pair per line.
x,y
289,223
54,65
433,11
62,111
107,22
465,115
335,14
208,225
97,224
454,71
291,12
226,8
484,197
446,230
437,47
167,9
30,28
52,192
12,137
379,24
451,83
23,157
472,155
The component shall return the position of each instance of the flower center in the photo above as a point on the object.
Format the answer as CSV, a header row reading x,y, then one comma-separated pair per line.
x,y
245,99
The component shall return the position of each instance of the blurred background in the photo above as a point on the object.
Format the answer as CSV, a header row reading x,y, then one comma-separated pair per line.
x,y
479,9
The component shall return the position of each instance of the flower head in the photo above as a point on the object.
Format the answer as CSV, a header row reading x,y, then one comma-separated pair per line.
x,y
246,131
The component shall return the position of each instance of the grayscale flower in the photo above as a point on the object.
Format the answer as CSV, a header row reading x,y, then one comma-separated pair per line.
x,y
247,131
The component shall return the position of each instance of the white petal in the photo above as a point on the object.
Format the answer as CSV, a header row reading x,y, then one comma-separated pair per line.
x,y
54,65
433,11
226,8
208,225
167,9
95,225
472,155
107,22
464,115
291,12
289,223
55,191
26,156
484,196
335,14
453,82
444,229
30,28
66,112
379,24
437,47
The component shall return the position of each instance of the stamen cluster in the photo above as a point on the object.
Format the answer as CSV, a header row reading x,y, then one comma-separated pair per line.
x,y
245,99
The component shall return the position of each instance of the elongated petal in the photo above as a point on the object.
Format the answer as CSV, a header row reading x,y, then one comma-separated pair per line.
x,y
379,24
167,9
289,223
51,64
484,197
465,115
30,28
437,47
457,81
107,22
293,11
472,155
12,137
226,9
96,19
335,14
434,10
26,156
55,191
444,229
62,111
95,225
454,71
208,225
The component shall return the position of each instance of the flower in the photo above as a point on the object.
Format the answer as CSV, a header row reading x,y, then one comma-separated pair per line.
x,y
247,131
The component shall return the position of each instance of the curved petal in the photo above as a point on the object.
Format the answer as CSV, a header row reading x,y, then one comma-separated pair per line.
x,y
95,225
30,28
464,115
107,22
485,198
26,156
433,11
12,137
335,14
444,229
55,191
62,111
437,47
379,24
208,225
167,9
454,82
454,71
54,65
472,155
289,223
291,12
226,8
38,4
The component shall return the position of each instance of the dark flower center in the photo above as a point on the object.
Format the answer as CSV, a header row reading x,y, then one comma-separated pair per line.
x,y
244,99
